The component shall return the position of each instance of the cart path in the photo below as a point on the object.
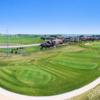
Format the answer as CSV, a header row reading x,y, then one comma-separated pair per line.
x,y
7,95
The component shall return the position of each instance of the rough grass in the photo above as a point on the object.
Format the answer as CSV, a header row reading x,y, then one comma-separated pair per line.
x,y
50,72
93,94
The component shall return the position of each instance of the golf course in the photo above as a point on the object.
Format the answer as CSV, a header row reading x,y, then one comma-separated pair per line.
x,y
52,71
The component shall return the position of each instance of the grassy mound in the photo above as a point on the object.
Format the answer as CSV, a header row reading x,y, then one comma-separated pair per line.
x,y
50,72
34,77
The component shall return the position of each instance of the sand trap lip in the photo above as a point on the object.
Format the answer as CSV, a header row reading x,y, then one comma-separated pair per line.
x,y
14,96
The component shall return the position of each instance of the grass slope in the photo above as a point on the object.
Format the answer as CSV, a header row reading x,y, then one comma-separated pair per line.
x,y
50,72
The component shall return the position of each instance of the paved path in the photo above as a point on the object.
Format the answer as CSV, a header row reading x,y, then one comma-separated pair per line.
x,y
18,46
13,96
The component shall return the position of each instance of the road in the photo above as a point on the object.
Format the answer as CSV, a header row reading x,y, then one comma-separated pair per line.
x,y
18,46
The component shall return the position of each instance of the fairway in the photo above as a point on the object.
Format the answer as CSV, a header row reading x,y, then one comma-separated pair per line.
x,y
52,71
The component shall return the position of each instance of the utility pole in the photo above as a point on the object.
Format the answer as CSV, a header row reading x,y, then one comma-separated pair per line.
x,y
7,42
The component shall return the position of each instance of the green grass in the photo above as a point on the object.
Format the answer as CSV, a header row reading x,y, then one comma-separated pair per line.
x,y
19,39
51,71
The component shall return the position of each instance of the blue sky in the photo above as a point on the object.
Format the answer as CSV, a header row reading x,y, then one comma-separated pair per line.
x,y
50,16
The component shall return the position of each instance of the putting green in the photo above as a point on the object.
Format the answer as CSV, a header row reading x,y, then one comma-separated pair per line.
x,y
52,71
